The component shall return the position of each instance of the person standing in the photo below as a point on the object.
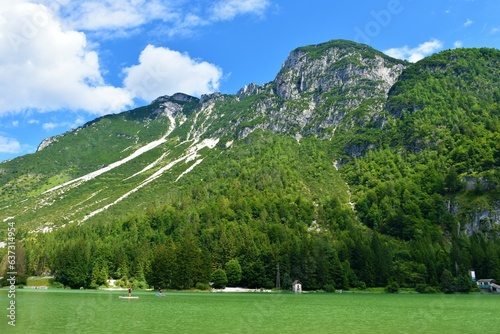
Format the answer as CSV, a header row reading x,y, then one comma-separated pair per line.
x,y
129,291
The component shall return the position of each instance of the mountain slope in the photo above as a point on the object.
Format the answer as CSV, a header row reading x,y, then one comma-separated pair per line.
x,y
343,84
349,169
442,137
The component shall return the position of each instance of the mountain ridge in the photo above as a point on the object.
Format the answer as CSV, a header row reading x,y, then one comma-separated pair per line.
x,y
344,146
340,75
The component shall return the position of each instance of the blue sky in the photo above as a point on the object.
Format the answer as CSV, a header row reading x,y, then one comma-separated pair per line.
x,y
66,62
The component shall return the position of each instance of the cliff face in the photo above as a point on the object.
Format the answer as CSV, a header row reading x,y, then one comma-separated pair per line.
x,y
46,143
322,88
337,70
483,220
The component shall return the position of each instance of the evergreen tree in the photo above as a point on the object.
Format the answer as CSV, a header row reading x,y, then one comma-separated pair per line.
x,y
71,264
233,272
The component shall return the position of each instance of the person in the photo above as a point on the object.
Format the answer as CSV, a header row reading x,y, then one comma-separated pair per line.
x,y
129,291
159,290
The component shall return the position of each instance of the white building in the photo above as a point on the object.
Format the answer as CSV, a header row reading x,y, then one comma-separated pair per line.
x,y
297,286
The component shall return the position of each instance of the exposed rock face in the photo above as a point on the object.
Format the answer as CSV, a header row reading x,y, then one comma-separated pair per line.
x,y
248,90
482,221
176,98
321,88
477,220
337,69
46,143
181,97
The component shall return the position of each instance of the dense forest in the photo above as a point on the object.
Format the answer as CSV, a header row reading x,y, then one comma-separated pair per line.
x,y
249,213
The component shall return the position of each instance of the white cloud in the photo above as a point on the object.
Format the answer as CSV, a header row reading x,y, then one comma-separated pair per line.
x,y
112,14
228,9
183,25
71,125
9,145
46,67
458,44
162,71
175,17
47,63
493,31
468,23
415,54
49,126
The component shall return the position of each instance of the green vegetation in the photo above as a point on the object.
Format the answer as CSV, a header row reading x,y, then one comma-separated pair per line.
x,y
234,272
219,279
39,281
395,193
257,207
60,311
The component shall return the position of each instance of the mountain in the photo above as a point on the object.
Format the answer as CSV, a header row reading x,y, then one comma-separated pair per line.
x,y
320,89
350,169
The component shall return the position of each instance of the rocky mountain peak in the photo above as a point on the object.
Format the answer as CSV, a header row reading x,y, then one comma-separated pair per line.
x,y
319,89
177,97
335,65
248,90
181,97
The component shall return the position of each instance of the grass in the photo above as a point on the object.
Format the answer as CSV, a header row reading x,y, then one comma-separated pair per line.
x,y
67,311
39,281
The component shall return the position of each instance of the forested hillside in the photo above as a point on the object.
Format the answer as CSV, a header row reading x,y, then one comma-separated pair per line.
x,y
350,170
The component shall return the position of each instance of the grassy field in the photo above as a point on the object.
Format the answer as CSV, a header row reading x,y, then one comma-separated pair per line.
x,y
66,311
39,281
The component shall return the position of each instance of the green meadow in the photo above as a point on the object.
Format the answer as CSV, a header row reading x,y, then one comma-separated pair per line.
x,y
70,311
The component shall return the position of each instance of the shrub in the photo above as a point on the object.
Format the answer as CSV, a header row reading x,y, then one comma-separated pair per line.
x,y
202,286
431,289
329,287
392,287
142,284
219,279
57,285
420,288
424,288
463,284
361,285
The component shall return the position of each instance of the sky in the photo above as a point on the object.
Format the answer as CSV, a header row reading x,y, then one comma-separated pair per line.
x,y
65,62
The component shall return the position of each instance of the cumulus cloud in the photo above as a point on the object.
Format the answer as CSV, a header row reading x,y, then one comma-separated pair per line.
x,y
458,44
9,145
162,71
47,63
46,67
417,53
